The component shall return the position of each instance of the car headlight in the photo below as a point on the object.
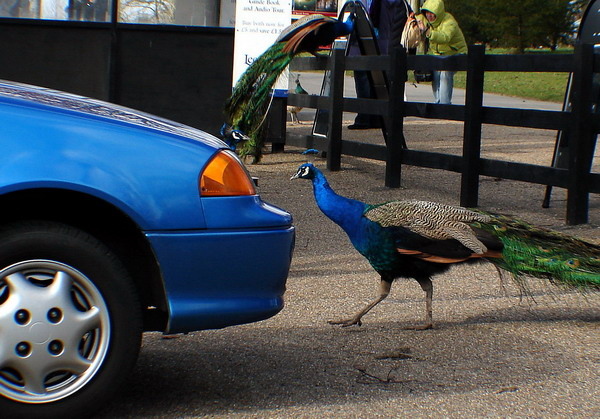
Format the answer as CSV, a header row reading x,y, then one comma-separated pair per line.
x,y
225,175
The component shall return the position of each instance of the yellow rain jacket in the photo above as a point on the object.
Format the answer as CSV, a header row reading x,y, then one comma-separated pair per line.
x,y
445,36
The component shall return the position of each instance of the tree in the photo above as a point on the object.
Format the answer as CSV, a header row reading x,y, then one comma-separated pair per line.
x,y
468,14
516,24
559,23
147,11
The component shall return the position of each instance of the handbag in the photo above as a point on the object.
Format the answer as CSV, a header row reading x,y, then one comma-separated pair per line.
x,y
411,39
423,76
411,34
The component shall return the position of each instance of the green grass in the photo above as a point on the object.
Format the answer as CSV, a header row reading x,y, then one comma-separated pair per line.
x,y
548,87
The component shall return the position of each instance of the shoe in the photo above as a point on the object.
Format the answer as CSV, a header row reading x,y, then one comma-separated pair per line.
x,y
359,126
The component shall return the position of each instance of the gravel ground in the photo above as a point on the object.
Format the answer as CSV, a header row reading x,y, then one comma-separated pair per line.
x,y
494,352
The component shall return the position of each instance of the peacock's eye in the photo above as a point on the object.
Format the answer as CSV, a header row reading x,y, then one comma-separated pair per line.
x,y
574,263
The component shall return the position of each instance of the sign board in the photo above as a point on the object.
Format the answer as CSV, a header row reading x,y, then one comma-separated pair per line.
x,y
258,23
364,36
321,122
589,33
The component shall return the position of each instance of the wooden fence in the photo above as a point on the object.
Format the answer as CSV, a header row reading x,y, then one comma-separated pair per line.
x,y
581,122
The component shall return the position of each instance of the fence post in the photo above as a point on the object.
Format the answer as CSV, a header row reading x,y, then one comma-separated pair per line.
x,y
395,128
335,108
469,187
581,135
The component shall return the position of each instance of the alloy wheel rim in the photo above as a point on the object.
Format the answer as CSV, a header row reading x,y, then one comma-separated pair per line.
x,y
54,331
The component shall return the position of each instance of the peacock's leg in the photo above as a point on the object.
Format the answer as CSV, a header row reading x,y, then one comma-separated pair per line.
x,y
427,286
384,291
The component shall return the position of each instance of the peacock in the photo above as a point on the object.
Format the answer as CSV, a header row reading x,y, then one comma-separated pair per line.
x,y
418,239
232,137
247,107
293,110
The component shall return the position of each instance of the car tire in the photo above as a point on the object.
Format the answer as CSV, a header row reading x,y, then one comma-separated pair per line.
x,y
70,321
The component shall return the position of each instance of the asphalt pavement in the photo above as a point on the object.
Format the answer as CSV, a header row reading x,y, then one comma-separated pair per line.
x,y
494,352
497,350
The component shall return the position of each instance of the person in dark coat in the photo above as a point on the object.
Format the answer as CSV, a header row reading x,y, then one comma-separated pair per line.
x,y
388,18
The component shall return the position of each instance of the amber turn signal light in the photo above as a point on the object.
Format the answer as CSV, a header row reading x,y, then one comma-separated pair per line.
x,y
225,175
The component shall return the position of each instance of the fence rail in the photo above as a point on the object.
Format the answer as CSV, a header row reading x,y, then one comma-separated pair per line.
x,y
580,121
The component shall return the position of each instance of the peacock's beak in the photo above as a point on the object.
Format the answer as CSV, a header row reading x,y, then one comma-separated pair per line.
x,y
296,176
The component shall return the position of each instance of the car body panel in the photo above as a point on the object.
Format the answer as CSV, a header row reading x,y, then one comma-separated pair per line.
x,y
241,212
138,170
212,277
223,260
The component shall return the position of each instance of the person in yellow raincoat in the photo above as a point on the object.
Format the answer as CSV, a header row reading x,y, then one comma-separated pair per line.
x,y
445,39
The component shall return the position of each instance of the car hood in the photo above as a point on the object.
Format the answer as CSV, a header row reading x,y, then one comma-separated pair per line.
x,y
71,103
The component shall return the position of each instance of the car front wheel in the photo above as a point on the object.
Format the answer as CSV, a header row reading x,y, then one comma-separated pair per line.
x,y
70,321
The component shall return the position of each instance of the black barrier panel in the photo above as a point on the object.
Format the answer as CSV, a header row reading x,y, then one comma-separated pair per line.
x,y
321,123
363,36
589,33
71,58
589,28
180,73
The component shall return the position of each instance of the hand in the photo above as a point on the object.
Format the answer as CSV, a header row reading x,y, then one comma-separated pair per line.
x,y
424,28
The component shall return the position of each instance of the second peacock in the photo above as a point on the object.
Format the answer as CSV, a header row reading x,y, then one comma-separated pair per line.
x,y
419,239
295,110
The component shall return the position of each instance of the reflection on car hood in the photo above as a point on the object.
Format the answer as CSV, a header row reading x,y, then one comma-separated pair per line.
x,y
75,103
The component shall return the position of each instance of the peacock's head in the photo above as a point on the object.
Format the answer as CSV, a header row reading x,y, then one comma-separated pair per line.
x,y
305,171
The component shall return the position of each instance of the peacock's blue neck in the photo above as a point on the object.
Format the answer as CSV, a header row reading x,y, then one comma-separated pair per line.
x,y
343,211
374,242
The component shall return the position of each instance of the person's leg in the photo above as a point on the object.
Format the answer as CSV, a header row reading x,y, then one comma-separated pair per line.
x,y
363,91
445,87
435,86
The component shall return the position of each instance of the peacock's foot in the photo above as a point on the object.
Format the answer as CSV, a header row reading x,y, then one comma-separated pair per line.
x,y
425,326
347,322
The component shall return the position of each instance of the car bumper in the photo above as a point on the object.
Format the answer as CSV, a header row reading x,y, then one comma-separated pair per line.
x,y
215,279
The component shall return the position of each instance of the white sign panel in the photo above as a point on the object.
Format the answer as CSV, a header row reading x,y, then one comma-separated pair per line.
x,y
258,23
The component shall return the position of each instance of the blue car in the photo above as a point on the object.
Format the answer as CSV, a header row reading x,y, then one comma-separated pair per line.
x,y
115,222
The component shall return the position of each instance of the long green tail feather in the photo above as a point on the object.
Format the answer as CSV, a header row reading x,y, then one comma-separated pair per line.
x,y
250,78
542,253
248,105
